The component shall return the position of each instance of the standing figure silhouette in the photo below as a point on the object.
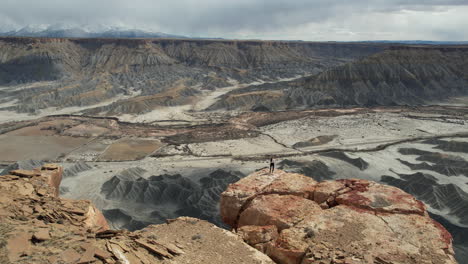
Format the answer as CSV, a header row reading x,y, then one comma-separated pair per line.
x,y
272,165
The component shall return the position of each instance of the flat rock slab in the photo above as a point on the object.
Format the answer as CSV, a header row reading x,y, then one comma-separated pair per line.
x,y
18,245
42,235
24,173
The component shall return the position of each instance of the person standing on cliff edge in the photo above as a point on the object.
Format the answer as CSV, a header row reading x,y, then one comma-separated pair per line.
x,y
272,165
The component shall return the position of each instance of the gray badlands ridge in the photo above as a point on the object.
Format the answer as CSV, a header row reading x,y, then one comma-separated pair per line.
x,y
142,74
396,76
151,73
173,195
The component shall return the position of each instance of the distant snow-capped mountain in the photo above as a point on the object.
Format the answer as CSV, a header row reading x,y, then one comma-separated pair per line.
x,y
78,32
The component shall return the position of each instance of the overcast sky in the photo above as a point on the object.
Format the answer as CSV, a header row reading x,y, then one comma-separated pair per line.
x,y
262,19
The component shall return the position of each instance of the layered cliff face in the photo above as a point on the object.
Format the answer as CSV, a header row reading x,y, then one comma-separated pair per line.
x,y
296,220
135,76
403,76
396,76
77,72
36,226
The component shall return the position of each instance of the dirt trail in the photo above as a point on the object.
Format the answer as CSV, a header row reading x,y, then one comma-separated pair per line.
x,y
383,144
346,148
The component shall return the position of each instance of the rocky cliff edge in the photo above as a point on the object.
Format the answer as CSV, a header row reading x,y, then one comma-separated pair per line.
x,y
36,226
296,220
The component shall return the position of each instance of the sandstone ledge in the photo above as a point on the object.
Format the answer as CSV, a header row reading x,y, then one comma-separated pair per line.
x,y
296,220
36,226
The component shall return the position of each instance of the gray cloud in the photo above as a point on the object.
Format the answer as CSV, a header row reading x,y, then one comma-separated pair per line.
x,y
284,19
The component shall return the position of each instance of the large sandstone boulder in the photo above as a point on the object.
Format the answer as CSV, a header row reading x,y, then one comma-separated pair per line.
x,y
244,191
296,220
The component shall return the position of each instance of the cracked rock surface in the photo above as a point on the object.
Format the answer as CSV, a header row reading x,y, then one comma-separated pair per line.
x,y
295,220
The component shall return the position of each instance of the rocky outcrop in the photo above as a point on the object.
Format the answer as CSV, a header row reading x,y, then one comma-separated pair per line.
x,y
448,198
34,194
50,173
296,220
36,226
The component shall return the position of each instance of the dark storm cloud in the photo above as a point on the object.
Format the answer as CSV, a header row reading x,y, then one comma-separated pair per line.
x,y
231,18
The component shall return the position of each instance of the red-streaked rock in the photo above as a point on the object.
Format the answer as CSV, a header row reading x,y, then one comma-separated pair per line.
x,y
258,234
237,194
326,189
382,198
343,221
282,252
395,238
283,211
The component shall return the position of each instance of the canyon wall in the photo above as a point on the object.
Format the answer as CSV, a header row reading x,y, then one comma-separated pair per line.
x,y
396,76
136,76
399,76
45,73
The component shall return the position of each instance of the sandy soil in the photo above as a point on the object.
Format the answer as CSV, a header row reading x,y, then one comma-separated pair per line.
x,y
172,115
90,151
47,128
16,148
129,149
85,129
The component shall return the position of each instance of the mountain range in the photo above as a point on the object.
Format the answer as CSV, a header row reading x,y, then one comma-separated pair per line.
x,y
62,31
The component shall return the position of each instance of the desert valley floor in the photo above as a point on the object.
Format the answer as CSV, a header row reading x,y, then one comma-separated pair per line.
x,y
142,173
